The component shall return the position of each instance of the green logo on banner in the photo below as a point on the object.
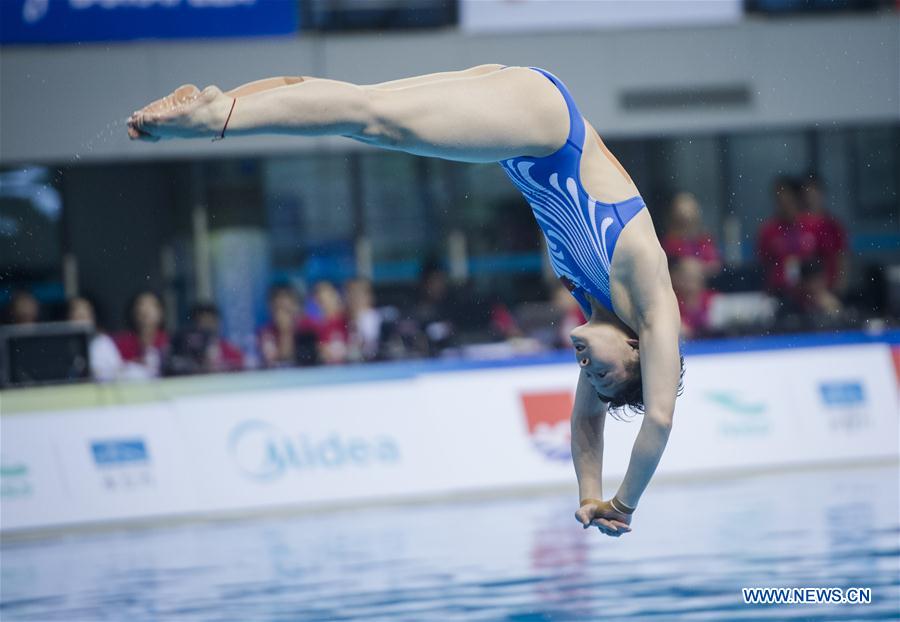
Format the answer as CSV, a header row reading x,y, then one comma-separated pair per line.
x,y
14,482
732,402
739,416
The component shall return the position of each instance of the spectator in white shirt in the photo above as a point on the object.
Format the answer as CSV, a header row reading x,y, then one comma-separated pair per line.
x,y
106,363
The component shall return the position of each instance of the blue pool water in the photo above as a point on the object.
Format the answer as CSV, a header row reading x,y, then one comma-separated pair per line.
x,y
523,558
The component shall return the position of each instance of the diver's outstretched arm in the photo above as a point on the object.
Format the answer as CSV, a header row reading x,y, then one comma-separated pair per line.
x,y
478,118
658,323
588,420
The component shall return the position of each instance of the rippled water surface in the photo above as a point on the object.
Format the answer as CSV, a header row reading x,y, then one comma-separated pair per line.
x,y
693,547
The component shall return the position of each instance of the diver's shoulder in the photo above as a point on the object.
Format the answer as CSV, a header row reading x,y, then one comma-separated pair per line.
x,y
638,238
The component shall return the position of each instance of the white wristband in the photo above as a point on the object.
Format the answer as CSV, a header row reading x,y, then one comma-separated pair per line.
x,y
616,506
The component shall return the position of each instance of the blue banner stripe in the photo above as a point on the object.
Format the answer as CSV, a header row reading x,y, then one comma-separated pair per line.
x,y
70,21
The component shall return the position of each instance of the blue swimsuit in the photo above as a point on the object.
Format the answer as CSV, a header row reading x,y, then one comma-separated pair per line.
x,y
581,232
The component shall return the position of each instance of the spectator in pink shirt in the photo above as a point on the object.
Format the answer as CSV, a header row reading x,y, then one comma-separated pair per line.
x,y
145,344
290,338
687,237
332,330
694,298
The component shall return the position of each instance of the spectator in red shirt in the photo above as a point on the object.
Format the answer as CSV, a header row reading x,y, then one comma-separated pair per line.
x,y
503,322
290,339
813,297
813,306
831,236
145,345
686,236
694,298
200,349
786,240
332,333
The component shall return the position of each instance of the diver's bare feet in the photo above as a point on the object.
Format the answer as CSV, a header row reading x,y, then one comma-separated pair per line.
x,y
187,112
167,103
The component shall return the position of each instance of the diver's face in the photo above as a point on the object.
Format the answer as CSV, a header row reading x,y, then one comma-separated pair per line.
x,y
603,352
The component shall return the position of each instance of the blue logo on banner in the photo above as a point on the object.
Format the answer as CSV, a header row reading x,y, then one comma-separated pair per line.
x,y
68,21
263,452
842,393
120,452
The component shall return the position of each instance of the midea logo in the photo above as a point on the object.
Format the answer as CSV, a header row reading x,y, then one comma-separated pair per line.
x,y
265,453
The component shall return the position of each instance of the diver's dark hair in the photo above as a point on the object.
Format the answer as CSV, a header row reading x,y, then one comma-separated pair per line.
x,y
629,401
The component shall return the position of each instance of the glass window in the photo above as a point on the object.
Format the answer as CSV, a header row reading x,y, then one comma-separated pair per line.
x,y
30,230
875,169
396,207
309,207
833,164
753,162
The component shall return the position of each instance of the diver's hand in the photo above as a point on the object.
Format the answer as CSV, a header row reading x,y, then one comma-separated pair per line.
x,y
187,112
603,516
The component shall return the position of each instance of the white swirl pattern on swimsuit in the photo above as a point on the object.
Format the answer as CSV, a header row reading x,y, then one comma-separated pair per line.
x,y
566,226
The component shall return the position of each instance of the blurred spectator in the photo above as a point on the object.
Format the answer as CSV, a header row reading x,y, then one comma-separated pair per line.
x,y
503,323
569,315
331,328
686,235
813,306
200,348
786,240
105,360
813,294
145,345
694,298
364,321
435,309
290,339
23,308
831,235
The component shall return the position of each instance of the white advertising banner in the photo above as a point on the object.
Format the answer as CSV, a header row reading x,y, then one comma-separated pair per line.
x,y
541,15
479,429
89,465
309,445
771,408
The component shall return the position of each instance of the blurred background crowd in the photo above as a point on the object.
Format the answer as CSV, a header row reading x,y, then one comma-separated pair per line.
x,y
797,280
335,254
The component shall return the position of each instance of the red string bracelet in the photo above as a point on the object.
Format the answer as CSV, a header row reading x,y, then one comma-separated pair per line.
x,y
225,127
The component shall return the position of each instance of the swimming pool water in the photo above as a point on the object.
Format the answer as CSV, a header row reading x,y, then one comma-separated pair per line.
x,y
522,558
